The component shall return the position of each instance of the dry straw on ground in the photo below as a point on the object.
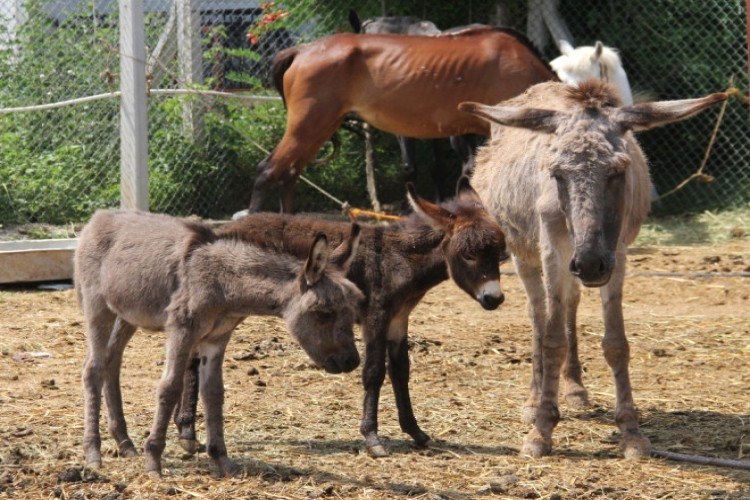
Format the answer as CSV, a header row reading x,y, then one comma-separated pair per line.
x,y
294,429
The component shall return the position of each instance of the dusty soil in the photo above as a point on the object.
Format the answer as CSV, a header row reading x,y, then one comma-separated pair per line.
x,y
294,429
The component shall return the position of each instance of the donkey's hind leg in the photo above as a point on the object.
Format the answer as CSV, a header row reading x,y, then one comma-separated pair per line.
x,y
99,322
121,334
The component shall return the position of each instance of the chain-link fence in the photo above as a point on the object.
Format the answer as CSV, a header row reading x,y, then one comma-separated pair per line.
x,y
59,164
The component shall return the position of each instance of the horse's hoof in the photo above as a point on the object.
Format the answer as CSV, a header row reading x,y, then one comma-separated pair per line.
x,y
377,451
535,445
192,446
635,446
240,214
528,414
421,439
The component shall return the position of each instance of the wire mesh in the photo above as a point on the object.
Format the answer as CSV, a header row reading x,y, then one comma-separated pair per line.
x,y
58,165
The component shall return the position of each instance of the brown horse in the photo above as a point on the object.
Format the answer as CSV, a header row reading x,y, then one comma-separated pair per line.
x,y
405,85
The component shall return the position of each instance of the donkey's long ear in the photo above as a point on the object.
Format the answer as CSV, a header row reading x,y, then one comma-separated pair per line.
x,y
654,114
343,255
434,215
464,191
317,260
542,120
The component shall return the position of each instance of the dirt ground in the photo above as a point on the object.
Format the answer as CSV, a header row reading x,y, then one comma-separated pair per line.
x,y
294,429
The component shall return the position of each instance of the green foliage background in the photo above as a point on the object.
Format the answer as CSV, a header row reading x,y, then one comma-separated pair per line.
x,y
60,165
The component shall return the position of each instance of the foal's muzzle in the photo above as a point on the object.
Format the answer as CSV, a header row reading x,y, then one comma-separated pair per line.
x,y
342,363
490,296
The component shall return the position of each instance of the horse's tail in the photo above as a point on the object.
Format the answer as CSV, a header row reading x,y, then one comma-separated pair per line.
x,y
354,21
336,141
281,63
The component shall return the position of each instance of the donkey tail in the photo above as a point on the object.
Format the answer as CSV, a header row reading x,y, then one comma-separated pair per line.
x,y
281,64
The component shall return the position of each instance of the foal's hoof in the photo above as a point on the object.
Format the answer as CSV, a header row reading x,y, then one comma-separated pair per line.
x,y
127,450
635,446
528,414
94,464
578,399
535,445
192,446
377,451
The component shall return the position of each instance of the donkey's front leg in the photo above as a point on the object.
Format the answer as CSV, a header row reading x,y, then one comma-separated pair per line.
x,y
212,393
575,393
617,353
398,370
179,345
373,375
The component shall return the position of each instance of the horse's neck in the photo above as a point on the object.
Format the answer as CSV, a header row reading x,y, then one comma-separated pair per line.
x,y
619,78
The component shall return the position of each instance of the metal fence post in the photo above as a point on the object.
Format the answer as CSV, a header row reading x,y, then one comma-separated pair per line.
x,y
133,119
191,64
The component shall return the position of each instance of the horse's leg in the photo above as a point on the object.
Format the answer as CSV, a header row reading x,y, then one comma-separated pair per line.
x,y
531,277
538,441
99,322
575,393
464,146
308,128
373,375
438,171
180,341
212,393
121,334
398,370
617,353
187,407
407,146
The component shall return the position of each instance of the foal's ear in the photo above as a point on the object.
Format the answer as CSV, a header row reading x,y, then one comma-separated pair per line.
x,y
598,49
317,260
649,115
435,215
542,120
464,191
565,47
343,255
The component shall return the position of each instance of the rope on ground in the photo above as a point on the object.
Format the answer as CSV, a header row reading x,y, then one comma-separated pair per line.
x,y
703,460
698,174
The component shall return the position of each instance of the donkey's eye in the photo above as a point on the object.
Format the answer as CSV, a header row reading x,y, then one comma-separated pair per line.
x,y
324,316
468,257
504,256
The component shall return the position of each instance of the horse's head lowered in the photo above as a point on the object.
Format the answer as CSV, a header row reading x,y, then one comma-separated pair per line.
x,y
474,244
584,165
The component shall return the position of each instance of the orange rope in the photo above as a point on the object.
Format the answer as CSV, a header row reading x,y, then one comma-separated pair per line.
x,y
353,213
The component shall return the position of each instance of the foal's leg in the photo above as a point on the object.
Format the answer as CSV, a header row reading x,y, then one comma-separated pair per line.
x,y
531,277
617,353
121,334
575,393
99,321
373,375
464,146
187,407
407,146
179,345
398,370
211,354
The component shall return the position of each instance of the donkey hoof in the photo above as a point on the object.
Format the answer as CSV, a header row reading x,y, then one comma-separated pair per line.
x,y
377,451
192,446
535,445
578,399
528,414
94,464
228,468
635,446
128,452
154,475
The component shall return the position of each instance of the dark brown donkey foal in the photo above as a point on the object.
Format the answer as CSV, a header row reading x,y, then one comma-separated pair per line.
x,y
137,269
395,266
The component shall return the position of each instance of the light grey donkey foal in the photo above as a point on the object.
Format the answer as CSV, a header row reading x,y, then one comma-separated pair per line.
x,y
567,182
160,273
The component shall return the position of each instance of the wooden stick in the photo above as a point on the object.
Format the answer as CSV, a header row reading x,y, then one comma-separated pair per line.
x,y
703,460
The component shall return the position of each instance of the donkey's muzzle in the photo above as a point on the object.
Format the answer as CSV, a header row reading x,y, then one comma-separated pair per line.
x,y
491,302
593,271
342,363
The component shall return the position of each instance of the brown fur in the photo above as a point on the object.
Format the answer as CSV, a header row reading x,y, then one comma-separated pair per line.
x,y
406,85
569,185
394,267
137,269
